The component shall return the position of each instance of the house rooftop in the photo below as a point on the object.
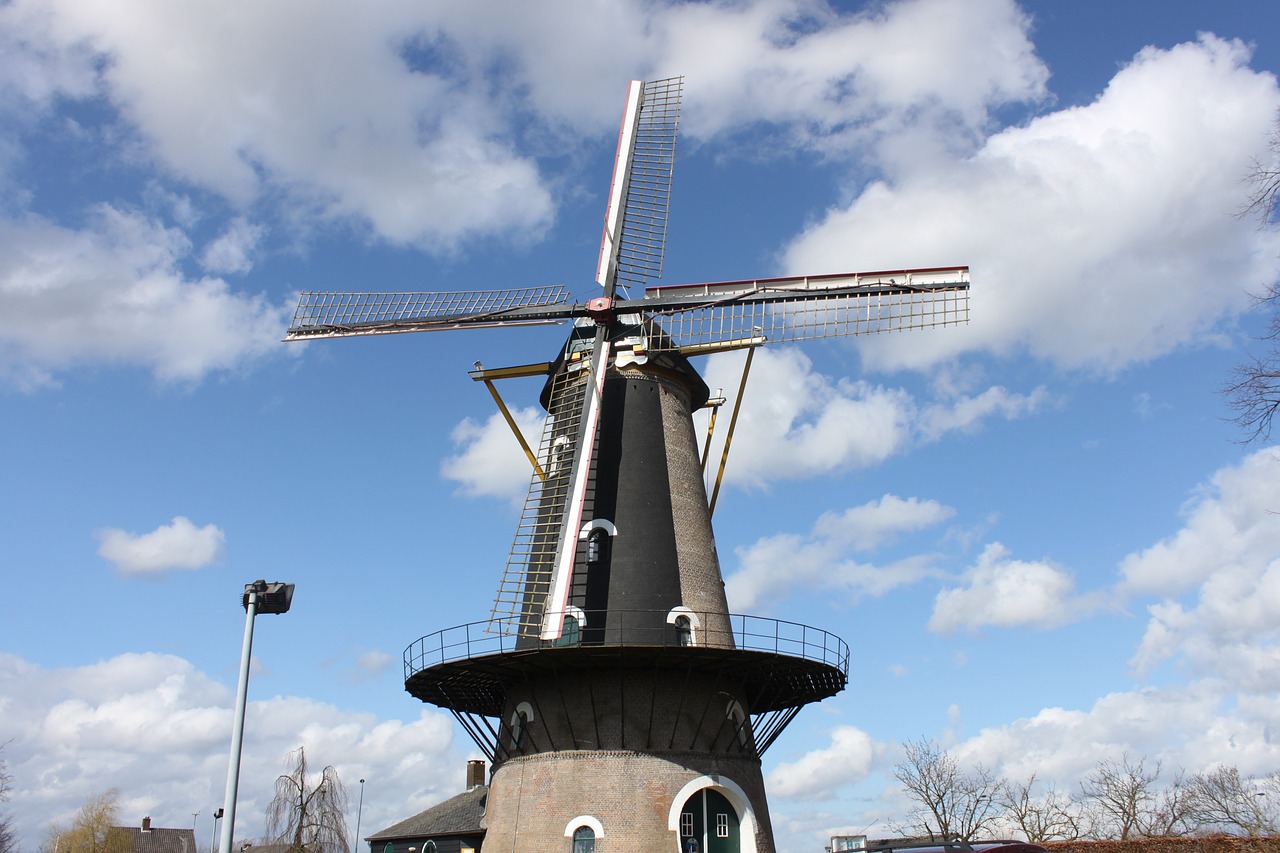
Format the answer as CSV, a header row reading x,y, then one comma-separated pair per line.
x,y
462,814
148,839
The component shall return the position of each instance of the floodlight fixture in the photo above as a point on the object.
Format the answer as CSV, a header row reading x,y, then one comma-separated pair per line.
x,y
272,597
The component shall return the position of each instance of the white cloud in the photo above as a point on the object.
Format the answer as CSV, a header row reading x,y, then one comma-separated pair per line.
x,y
364,666
158,729
1099,236
232,251
772,566
840,79
1230,521
375,662
396,118
114,292
1192,727
489,460
817,774
965,413
177,545
1006,593
796,422
327,114
1228,553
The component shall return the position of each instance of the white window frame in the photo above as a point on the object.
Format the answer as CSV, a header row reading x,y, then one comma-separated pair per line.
x,y
735,714
584,820
521,717
695,624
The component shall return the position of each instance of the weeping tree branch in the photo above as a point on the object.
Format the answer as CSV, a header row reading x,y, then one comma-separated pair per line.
x,y
309,818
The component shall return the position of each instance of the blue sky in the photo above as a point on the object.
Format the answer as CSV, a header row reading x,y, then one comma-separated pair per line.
x,y
1038,533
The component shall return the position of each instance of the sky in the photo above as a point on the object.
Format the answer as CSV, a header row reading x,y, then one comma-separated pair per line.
x,y
1040,534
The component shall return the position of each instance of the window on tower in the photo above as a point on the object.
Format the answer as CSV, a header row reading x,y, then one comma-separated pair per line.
x,y
519,723
584,840
570,632
684,631
686,625
738,719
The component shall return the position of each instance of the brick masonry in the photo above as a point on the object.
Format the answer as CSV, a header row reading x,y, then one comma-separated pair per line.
x,y
532,800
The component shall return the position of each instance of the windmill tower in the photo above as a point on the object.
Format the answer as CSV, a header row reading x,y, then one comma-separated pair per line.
x,y
620,703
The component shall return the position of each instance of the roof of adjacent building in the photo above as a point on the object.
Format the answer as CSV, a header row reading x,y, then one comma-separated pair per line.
x,y
156,840
460,815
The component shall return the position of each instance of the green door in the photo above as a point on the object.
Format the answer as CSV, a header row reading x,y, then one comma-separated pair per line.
x,y
710,823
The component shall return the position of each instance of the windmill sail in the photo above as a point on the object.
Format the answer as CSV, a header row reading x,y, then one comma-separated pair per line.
x,y
337,315
698,317
535,592
635,235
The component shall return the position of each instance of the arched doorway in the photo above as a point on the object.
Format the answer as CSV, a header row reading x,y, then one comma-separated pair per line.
x,y
710,821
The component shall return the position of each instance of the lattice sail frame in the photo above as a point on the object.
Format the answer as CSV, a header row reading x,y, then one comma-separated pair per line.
x,y
704,317
647,197
337,315
696,317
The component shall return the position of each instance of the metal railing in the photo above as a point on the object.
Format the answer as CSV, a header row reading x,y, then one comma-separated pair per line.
x,y
745,633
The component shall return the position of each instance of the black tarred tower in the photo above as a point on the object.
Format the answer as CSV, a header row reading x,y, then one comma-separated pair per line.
x,y
620,703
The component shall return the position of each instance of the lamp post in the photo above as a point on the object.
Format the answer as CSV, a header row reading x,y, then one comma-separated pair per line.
x,y
259,597
355,844
213,840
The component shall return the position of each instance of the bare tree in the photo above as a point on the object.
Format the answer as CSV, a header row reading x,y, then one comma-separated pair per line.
x,y
1049,816
310,819
1253,392
8,837
1221,799
1264,183
950,803
90,830
1130,803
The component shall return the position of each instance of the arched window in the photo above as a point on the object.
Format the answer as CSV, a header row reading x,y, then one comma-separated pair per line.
x,y
390,848
520,719
584,840
429,847
519,728
684,631
738,719
569,633
686,623
582,832
570,627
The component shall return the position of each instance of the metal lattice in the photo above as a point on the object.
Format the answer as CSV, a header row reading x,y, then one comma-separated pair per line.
x,y
782,310
644,229
331,315
518,606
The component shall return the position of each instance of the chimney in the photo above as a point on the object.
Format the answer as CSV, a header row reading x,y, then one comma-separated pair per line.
x,y
146,824
475,774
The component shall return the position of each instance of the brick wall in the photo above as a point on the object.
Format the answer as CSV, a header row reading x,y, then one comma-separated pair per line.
x,y
532,800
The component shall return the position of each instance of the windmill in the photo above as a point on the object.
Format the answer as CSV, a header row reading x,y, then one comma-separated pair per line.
x,y
612,691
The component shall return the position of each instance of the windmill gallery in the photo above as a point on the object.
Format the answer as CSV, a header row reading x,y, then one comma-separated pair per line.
x,y
616,698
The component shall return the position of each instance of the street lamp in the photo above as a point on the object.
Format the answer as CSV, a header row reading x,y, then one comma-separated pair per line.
x,y
355,845
213,839
259,597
